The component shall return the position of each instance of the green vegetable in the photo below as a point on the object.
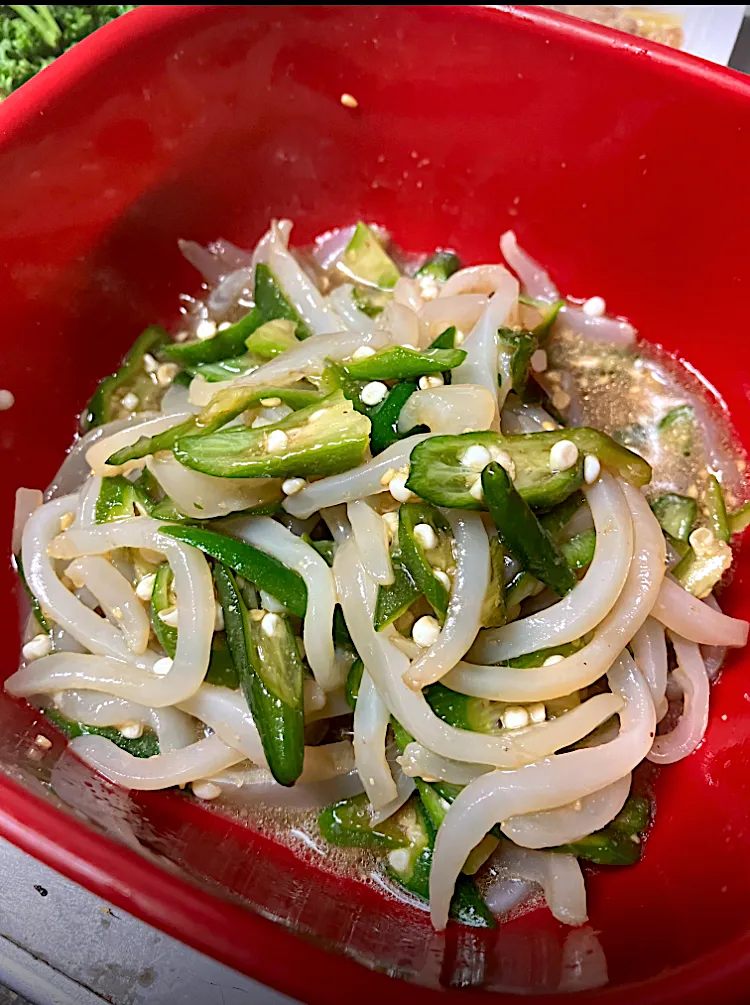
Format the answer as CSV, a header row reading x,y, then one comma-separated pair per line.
x,y
396,599
578,551
549,316
323,548
384,417
270,305
515,351
166,634
414,555
531,660
699,573
520,588
119,499
438,474
371,303
677,430
131,377
445,340
713,500
271,676
494,611
31,37
224,369
348,824
272,338
740,519
522,534
476,714
619,843
440,266
399,363
221,669
676,514
322,439
266,572
36,607
146,745
366,261
561,515
353,681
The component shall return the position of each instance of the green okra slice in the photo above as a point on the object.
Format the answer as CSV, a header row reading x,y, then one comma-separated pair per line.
x,y
440,266
146,745
396,599
366,261
676,514
132,376
348,824
420,565
399,363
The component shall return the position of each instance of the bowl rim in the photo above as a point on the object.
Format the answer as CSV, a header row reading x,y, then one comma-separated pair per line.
x,y
176,905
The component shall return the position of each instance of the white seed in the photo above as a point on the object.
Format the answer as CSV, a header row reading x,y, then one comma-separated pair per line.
x,y
257,614
425,631
130,401
317,415
701,541
270,402
170,616
40,645
591,468
270,624
163,666
399,860
223,325
539,361
515,717
548,426
6,400
291,486
433,380
551,660
206,790
150,365
475,458
391,524
363,352
166,374
132,730
397,488
504,460
563,455
537,711
218,618
43,742
349,101
426,536
385,481
459,338
442,577
205,329
594,307
66,520
374,392
476,491
277,441
561,400
145,588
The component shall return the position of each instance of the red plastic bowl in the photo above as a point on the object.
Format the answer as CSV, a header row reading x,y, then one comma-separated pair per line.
x,y
621,165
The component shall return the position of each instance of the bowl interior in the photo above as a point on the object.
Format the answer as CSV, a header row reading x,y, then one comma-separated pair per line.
x,y
620,167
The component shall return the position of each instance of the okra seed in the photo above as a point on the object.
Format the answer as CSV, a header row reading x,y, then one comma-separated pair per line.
x,y
277,441
551,660
539,361
397,488
131,730
150,365
591,468
349,101
166,373
163,666
391,523
594,307
218,618
442,577
426,536
257,614
398,860
427,383
130,401
515,717
563,455
43,742
476,457
206,790
426,631
270,402
476,491
270,624
385,481
145,588
40,645
459,338
537,711
66,520
291,486
374,392
504,460
170,617
205,329
317,415
363,352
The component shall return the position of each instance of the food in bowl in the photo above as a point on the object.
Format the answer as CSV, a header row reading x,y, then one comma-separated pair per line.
x,y
429,549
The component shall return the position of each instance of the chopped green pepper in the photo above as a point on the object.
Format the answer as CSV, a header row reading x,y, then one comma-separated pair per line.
x,y
146,745
353,681
619,843
251,563
399,363
445,340
272,338
440,266
348,824
414,555
396,599
118,499
676,514
522,534
166,634
515,351
131,376
384,417
271,675
322,439
713,500
677,430
366,261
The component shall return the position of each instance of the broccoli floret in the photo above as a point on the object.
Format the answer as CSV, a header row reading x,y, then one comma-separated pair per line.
x,y
32,37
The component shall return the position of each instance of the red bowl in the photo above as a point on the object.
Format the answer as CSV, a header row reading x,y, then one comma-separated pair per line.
x,y
621,165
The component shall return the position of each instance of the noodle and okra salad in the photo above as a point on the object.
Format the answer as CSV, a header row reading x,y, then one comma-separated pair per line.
x,y
335,539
